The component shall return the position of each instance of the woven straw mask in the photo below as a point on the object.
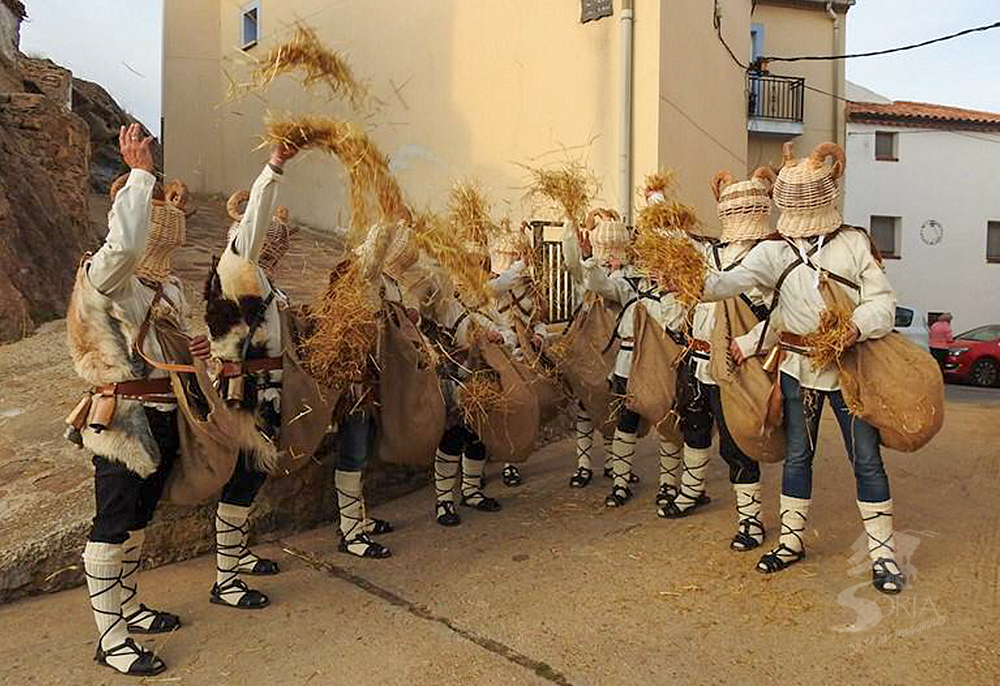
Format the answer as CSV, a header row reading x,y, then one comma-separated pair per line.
x,y
806,192
402,254
610,238
744,206
505,246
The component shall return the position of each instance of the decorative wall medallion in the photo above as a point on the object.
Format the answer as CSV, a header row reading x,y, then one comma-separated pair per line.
x,y
931,232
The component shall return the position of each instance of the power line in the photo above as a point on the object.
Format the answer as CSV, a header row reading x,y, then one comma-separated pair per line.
x,y
875,53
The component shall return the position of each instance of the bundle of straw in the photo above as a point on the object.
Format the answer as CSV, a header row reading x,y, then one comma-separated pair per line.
x,y
668,215
479,395
345,328
662,181
374,191
670,257
571,186
435,236
829,341
317,63
468,212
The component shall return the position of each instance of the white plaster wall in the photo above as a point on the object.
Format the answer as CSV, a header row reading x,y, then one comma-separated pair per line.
x,y
949,176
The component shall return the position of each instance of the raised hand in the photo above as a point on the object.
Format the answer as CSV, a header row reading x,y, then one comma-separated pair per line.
x,y
200,347
135,148
281,153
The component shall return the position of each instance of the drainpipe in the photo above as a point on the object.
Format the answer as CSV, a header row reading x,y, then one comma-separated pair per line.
x,y
625,141
838,78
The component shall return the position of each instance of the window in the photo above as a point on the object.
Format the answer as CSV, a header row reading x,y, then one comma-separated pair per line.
x,y
904,317
756,41
983,334
886,146
250,25
885,235
993,241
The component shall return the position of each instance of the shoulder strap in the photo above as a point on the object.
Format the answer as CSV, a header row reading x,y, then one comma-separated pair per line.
x,y
144,331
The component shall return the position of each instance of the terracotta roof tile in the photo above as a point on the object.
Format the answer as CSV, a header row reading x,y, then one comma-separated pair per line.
x,y
905,113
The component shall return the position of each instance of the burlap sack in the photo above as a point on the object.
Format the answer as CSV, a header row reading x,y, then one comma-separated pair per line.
x,y
891,383
586,365
411,414
746,388
508,432
652,381
542,378
306,407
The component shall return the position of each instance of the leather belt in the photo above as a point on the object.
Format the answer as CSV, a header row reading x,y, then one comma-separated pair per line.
x,y
793,342
254,366
148,390
700,346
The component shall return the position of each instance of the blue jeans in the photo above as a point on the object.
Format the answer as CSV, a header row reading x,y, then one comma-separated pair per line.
x,y
801,429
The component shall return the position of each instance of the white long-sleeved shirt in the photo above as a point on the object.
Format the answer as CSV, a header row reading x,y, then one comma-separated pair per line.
x,y
800,303
629,288
111,270
721,258
515,299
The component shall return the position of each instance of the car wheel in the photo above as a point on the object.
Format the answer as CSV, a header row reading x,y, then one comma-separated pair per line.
x,y
986,373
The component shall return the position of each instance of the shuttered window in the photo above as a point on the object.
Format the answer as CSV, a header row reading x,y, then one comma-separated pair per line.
x,y
885,235
993,241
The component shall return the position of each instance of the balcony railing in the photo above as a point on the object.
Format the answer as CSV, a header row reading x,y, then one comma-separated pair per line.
x,y
779,98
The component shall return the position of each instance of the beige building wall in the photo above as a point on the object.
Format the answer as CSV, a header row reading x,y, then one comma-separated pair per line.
x,y
801,30
469,90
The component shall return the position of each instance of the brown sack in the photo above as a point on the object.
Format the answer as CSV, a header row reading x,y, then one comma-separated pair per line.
x,y
745,389
306,407
652,380
892,384
552,397
411,408
587,366
509,431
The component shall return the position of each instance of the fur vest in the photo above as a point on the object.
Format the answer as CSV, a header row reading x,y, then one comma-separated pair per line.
x,y
101,338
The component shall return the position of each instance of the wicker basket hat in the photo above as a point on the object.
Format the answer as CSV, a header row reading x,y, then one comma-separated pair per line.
x,y
610,238
744,206
505,247
806,192
167,228
402,254
279,233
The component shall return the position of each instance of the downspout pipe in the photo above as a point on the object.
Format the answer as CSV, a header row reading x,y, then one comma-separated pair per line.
x,y
625,132
838,78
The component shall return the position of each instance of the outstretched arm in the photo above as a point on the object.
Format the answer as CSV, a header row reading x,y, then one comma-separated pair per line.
x,y
252,231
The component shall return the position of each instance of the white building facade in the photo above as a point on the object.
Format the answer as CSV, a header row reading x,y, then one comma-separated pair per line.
x,y
925,180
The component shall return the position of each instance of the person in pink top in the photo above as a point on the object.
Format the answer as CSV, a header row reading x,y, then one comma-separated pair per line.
x,y
941,338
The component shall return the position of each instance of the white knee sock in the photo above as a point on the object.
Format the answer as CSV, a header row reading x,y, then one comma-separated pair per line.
x,y
102,563
692,478
131,561
230,530
609,450
472,475
350,503
445,476
794,515
584,429
877,518
748,510
670,465
622,455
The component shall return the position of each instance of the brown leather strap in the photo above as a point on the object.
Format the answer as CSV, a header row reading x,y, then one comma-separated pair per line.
x,y
155,390
793,339
252,366
144,331
701,346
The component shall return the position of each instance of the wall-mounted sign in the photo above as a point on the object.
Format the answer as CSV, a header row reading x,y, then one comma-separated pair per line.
x,y
595,9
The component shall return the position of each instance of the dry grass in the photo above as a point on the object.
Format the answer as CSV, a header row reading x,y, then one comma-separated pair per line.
x,y
374,192
479,396
469,212
829,341
338,350
437,238
571,186
668,215
662,181
316,63
671,258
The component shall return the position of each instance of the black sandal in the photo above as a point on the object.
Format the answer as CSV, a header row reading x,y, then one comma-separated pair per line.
x,y
774,561
163,622
633,478
582,478
618,497
480,501
670,510
250,600
260,567
666,494
446,514
511,476
147,664
744,540
378,527
373,550
882,576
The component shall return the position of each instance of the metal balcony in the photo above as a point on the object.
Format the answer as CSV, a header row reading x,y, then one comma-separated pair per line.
x,y
775,104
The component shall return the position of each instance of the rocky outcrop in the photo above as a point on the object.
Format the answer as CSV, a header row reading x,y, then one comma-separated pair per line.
x,y
104,117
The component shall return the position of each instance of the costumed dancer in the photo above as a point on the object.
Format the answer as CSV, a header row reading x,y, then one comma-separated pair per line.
x,y
608,272
817,249
744,211
129,421
242,315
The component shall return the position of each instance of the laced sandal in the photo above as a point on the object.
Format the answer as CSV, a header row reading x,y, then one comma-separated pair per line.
x,y
582,477
885,580
378,527
446,514
248,599
618,497
511,476
750,535
480,501
666,494
252,564
779,559
146,621
671,510
633,478
363,545
145,664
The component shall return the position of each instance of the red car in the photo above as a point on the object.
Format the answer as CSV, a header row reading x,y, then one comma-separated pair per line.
x,y
975,356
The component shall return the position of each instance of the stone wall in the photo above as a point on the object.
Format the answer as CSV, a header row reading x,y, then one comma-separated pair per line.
x,y
48,78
